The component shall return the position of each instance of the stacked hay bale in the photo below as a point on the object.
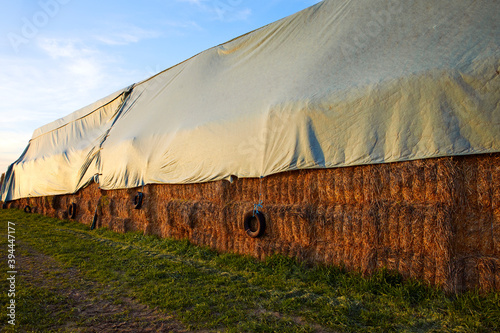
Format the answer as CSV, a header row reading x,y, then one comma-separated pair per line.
x,y
437,220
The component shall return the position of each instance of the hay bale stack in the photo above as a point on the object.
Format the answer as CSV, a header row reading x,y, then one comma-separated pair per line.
x,y
477,223
437,220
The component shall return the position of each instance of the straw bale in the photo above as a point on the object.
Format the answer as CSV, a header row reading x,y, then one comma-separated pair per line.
x,y
338,186
497,278
322,181
227,216
272,190
383,246
326,236
487,268
470,272
407,174
443,244
418,226
357,183
329,181
418,186
349,225
486,224
431,181
206,217
393,245
312,184
349,190
318,225
302,222
236,219
484,183
282,184
384,183
475,233
371,183
251,190
446,173
429,269
495,181
369,235
496,231
457,278
357,237
405,247
223,189
469,170
290,229
396,182
340,241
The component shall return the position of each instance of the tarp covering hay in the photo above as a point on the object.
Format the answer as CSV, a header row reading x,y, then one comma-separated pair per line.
x,y
369,132
341,83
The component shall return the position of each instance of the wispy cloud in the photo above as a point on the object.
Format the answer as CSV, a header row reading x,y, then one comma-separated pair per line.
x,y
127,35
66,75
194,2
222,10
239,15
183,24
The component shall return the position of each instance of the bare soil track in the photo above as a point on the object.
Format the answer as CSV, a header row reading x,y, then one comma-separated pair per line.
x,y
96,307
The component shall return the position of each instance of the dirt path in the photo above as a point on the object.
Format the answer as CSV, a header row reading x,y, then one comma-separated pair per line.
x,y
96,307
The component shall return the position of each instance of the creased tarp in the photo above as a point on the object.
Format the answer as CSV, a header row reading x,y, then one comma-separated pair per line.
x,y
62,156
341,83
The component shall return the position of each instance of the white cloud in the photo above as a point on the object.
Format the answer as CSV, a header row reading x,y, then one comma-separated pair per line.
x,y
238,15
127,35
183,24
67,76
222,10
64,48
194,2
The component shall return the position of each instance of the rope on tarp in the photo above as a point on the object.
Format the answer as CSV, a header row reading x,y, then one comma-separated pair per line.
x,y
259,205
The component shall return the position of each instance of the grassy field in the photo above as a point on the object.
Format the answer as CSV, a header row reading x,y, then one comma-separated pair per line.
x,y
71,279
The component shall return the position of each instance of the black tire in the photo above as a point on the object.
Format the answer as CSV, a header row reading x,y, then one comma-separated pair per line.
x,y
254,224
27,209
4,205
72,210
138,200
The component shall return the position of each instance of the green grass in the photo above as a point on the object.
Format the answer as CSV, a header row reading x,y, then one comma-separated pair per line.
x,y
226,292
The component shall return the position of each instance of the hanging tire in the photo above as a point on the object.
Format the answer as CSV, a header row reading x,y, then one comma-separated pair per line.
x,y
27,209
72,210
4,205
138,200
254,224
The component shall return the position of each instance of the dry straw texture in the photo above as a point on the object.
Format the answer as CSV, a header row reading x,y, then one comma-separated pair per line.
x,y
437,220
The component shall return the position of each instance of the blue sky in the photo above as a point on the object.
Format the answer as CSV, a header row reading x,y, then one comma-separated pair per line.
x,y
57,56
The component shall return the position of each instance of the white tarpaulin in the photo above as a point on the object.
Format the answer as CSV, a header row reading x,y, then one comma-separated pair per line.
x,y
341,83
